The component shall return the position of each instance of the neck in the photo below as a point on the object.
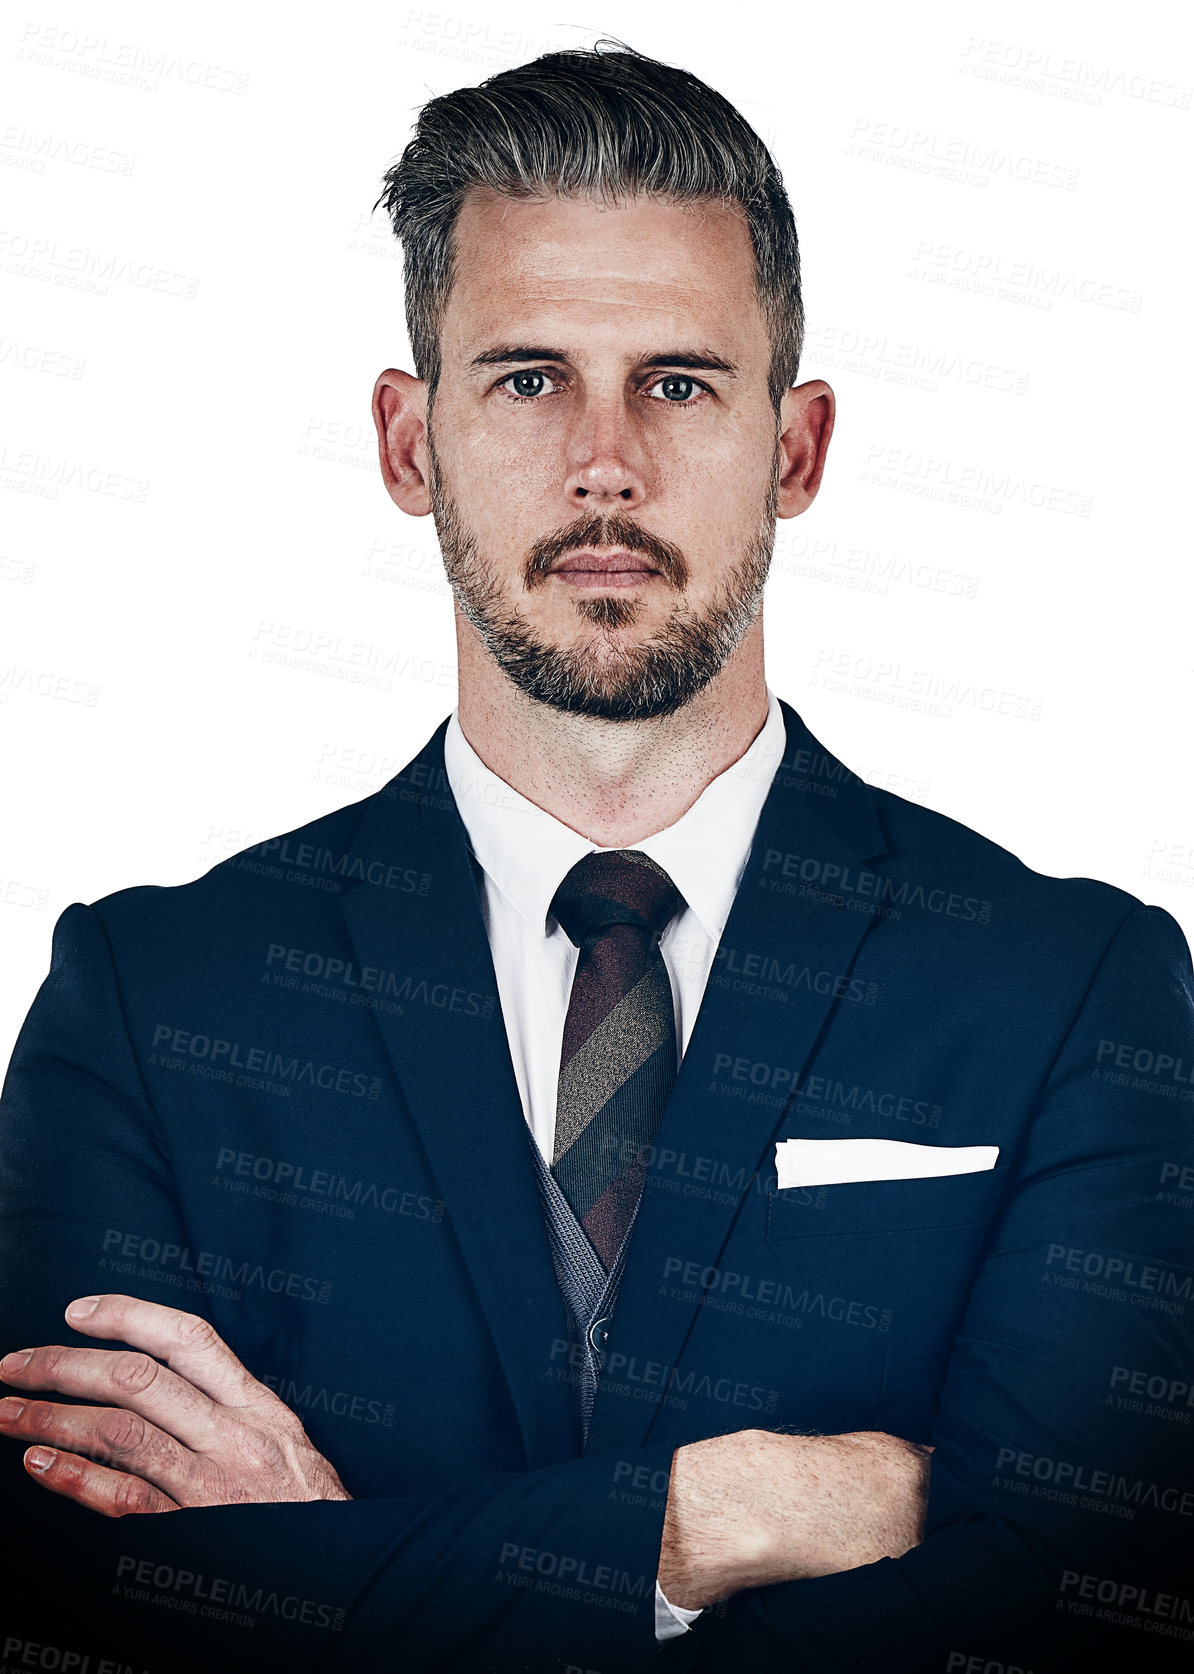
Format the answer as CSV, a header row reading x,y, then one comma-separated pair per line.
x,y
614,782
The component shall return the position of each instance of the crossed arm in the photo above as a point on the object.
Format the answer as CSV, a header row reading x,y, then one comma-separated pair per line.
x,y
744,1510
181,1422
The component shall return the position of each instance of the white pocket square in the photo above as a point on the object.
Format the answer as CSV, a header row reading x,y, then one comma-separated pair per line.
x,y
837,1162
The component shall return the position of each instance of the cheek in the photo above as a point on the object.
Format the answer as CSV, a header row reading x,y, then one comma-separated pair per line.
x,y
506,496
719,496
508,459
724,460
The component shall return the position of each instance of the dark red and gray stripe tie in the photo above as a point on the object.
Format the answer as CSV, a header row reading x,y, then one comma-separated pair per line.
x,y
618,1060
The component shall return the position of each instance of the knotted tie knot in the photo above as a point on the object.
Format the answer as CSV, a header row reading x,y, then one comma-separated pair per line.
x,y
615,886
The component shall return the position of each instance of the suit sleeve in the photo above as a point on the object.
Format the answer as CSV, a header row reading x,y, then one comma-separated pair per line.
x,y
516,1571
1061,1512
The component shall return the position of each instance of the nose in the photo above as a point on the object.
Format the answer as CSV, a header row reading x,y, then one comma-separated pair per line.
x,y
606,468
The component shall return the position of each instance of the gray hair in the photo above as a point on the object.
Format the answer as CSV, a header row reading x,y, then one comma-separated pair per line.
x,y
605,123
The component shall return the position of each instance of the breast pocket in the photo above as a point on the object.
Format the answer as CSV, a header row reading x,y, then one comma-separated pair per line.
x,y
870,1206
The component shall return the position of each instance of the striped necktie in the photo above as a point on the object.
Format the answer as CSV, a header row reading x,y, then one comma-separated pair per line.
x,y
618,1059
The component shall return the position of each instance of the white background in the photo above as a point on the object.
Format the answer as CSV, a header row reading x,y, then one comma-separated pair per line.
x,y
215,625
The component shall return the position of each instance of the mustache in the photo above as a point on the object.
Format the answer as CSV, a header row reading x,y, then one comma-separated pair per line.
x,y
591,533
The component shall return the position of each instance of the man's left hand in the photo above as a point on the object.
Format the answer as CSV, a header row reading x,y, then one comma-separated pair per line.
x,y
182,1424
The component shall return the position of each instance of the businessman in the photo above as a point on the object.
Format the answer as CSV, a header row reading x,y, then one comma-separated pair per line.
x,y
627,1189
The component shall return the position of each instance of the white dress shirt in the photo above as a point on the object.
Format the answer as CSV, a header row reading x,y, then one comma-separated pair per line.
x,y
524,854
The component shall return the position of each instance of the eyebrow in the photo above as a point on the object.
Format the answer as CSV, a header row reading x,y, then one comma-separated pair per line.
x,y
689,360
510,352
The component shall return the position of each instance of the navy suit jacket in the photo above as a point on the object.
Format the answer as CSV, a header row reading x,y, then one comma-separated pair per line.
x,y
281,1097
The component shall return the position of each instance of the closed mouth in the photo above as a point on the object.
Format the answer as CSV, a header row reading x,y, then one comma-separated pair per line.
x,y
612,568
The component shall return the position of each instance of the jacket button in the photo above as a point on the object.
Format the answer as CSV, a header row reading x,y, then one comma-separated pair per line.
x,y
599,1334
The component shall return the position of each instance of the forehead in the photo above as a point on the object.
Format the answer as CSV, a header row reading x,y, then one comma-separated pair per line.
x,y
628,270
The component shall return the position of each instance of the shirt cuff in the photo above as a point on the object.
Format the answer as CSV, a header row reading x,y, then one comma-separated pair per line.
x,y
671,1620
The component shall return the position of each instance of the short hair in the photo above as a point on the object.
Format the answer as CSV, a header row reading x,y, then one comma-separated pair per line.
x,y
605,122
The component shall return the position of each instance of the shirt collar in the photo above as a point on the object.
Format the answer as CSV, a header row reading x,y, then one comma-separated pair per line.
x,y
526,852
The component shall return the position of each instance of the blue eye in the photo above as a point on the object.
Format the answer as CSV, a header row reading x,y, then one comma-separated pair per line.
x,y
675,387
527,385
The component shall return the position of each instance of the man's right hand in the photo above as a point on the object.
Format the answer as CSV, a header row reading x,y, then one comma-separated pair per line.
x,y
753,1508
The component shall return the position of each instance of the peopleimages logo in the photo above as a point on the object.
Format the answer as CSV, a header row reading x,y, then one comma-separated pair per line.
x,y
1144,1061
323,1186
840,879
185,1590
313,1397
208,1270
606,1578
1070,1479
826,1090
169,1041
1146,1282
1129,1596
365,984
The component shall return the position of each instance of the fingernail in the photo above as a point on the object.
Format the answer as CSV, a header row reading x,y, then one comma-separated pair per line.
x,y
40,1458
14,1362
10,1411
84,1306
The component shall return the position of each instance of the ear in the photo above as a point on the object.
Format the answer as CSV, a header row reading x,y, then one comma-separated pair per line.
x,y
806,424
400,415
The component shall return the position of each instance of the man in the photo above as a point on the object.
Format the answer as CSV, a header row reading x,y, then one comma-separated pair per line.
x,y
627,1188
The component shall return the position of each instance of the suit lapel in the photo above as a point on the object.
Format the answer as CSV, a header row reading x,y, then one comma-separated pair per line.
x,y
822,815
454,1068
447,1042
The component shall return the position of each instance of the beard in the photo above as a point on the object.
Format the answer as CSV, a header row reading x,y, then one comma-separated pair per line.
x,y
600,676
